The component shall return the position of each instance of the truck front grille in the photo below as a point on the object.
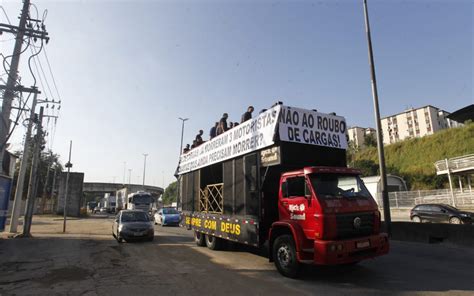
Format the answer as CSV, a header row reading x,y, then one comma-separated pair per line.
x,y
346,227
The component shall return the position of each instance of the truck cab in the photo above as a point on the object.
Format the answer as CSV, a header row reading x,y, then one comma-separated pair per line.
x,y
330,216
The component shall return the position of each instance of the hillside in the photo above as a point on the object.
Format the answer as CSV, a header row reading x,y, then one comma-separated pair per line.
x,y
414,159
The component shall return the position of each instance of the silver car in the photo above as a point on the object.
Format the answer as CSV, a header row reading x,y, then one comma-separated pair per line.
x,y
133,225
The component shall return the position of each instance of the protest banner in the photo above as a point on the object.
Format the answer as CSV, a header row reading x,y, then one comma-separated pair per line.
x,y
311,127
249,136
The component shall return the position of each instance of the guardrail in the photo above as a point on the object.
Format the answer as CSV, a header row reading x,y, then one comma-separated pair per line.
x,y
408,199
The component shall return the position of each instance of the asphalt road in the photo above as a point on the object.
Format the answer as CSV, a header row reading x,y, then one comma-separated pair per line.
x,y
88,261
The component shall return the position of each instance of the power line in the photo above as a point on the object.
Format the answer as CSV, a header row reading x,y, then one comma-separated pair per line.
x,y
6,15
42,71
52,76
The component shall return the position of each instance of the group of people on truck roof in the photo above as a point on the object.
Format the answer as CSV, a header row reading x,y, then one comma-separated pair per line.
x,y
219,128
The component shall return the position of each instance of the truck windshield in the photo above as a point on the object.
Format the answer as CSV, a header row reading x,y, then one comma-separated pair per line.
x,y
338,186
141,199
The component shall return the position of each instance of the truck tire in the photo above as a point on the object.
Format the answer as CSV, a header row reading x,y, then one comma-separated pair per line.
x,y
199,238
213,243
284,252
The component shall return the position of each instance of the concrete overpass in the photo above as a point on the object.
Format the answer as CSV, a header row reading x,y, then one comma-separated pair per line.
x,y
96,188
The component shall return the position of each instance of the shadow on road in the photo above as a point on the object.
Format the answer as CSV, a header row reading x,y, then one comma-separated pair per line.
x,y
174,263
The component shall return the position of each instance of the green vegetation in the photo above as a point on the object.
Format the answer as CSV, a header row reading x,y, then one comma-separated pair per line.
x,y
414,159
170,193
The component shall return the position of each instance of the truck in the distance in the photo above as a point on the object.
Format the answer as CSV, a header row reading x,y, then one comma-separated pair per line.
x,y
109,203
140,200
282,177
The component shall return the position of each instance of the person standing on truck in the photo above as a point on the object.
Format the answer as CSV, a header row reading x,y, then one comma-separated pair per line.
x,y
247,115
198,139
213,131
186,149
222,124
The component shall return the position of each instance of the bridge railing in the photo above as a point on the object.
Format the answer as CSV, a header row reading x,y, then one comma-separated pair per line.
x,y
456,163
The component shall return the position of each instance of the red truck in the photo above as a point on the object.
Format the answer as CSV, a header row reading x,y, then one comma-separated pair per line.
x,y
282,178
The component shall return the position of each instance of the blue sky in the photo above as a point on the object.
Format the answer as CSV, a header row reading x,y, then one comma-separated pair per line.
x,y
126,70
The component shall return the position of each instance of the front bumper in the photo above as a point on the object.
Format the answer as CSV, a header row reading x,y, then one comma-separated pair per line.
x,y
171,220
351,250
131,235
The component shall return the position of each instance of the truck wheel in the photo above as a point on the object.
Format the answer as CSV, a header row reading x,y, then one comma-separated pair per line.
x,y
284,252
213,243
199,238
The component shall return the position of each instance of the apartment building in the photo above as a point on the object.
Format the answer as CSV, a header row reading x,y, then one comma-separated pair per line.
x,y
357,134
415,123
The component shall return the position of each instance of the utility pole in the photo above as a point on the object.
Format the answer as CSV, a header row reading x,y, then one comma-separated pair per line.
x,y
144,169
33,184
9,94
129,177
380,149
21,31
23,167
51,196
69,166
46,182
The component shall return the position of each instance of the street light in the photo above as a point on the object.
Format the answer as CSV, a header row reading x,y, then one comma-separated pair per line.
x,y
69,166
180,151
144,169
182,133
124,171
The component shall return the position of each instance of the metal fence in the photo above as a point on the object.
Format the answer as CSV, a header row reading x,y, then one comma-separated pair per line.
x,y
408,199
457,163
211,198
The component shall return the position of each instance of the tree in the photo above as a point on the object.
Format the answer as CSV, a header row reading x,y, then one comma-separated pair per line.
x,y
48,161
370,140
367,167
170,193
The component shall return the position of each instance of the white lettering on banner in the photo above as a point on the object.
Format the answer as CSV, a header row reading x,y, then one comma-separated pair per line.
x,y
249,136
311,127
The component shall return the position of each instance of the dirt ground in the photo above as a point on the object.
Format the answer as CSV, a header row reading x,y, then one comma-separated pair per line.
x,y
88,261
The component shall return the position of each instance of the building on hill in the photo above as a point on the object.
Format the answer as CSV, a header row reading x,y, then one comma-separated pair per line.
x,y
357,135
463,114
415,123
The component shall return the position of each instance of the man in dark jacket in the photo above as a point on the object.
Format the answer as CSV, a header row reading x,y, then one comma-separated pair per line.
x,y
247,115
